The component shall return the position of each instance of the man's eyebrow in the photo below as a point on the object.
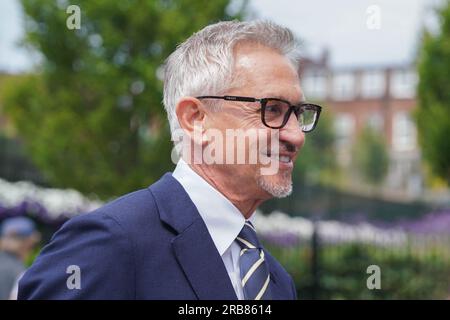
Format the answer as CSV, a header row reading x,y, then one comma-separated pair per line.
x,y
277,96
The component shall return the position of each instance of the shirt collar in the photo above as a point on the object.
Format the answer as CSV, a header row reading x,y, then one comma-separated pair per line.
x,y
223,220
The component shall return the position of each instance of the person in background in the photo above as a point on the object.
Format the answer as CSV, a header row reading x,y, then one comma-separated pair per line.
x,y
18,239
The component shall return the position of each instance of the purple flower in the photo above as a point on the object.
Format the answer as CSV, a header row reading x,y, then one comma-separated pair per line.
x,y
285,239
437,222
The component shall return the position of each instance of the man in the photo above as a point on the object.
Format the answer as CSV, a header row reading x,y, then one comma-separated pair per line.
x,y
190,235
18,237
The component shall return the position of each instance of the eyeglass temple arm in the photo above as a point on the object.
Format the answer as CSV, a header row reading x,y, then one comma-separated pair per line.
x,y
238,98
230,98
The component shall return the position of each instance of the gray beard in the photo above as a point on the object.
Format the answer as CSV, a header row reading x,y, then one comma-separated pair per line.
x,y
278,190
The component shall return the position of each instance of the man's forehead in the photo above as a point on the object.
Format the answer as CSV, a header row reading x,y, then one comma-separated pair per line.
x,y
267,70
244,61
249,54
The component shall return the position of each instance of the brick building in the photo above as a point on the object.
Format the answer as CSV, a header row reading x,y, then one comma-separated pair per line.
x,y
382,97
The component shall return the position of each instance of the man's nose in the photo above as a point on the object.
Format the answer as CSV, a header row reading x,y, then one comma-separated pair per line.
x,y
292,132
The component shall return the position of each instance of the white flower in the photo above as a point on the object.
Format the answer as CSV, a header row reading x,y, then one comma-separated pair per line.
x,y
56,201
279,223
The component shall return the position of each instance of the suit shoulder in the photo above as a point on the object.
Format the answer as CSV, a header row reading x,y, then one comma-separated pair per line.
x,y
95,245
130,210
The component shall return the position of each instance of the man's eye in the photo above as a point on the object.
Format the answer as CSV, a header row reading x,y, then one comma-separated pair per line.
x,y
275,109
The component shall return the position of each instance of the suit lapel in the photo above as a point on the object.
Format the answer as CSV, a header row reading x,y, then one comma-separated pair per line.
x,y
193,247
277,291
202,263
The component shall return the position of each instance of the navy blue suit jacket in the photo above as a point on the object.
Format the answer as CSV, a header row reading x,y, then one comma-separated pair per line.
x,y
149,244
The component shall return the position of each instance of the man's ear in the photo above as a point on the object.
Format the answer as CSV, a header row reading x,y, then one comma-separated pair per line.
x,y
190,113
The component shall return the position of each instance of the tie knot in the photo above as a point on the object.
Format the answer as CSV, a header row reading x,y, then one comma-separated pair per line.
x,y
247,238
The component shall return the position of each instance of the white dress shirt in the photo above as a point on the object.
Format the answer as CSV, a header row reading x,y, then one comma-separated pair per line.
x,y
223,220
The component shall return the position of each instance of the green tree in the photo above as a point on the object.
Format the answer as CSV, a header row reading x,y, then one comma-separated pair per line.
x,y
92,117
433,113
370,156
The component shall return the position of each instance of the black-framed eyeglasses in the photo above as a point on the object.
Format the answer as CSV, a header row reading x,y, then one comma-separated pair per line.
x,y
275,113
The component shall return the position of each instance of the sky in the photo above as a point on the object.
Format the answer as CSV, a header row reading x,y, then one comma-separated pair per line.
x,y
356,32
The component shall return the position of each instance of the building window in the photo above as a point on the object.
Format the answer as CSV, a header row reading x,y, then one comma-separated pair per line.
x,y
403,83
404,133
344,126
315,84
343,86
372,84
375,122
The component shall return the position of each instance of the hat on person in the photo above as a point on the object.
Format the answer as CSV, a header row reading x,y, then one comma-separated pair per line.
x,y
17,226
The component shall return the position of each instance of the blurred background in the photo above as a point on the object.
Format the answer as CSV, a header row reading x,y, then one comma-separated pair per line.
x,y
81,122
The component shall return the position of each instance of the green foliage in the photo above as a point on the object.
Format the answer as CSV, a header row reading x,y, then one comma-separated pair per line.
x,y
406,273
14,164
92,118
433,114
370,156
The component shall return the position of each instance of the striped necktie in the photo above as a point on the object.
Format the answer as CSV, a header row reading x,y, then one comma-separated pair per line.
x,y
254,271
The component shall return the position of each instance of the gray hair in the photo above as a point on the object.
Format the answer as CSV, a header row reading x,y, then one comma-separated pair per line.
x,y
202,65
